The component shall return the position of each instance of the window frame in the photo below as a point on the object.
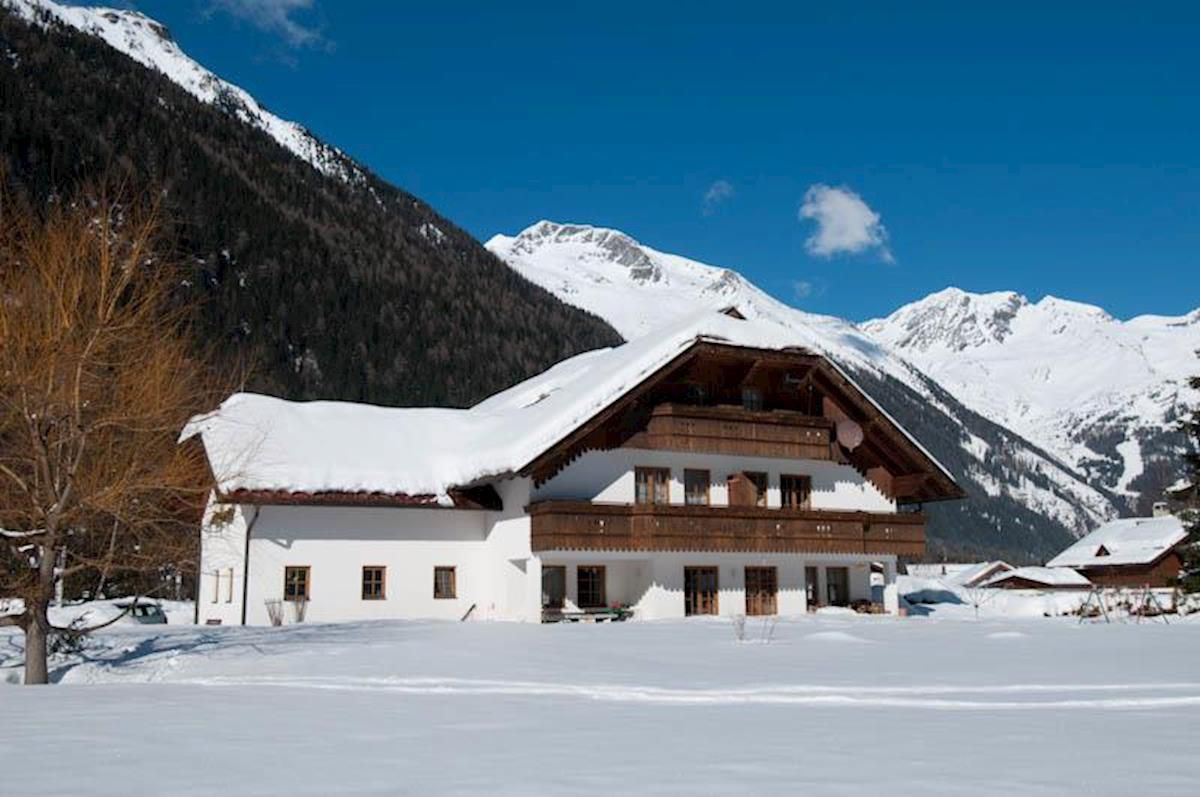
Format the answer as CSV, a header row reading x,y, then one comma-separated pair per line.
x,y
453,570
706,480
752,399
382,596
761,496
287,571
601,571
656,477
785,494
757,581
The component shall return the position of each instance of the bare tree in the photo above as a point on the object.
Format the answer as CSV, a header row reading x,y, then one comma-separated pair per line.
x,y
98,373
978,595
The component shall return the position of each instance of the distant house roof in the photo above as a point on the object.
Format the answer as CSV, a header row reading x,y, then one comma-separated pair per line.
x,y
258,445
1046,576
938,569
979,573
1129,541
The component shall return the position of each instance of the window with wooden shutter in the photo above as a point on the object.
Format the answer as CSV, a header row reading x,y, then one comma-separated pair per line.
x,y
695,487
652,485
795,491
759,480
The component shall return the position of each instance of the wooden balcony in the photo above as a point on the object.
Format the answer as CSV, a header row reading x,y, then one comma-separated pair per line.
x,y
586,526
734,430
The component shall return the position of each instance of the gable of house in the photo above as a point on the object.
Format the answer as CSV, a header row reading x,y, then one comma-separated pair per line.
x,y
686,387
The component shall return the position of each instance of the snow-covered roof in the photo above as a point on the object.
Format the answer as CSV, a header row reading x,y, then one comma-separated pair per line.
x,y
1128,541
1181,487
260,443
1049,576
978,572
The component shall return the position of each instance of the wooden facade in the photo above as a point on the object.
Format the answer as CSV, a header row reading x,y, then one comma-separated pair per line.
x,y
722,399
734,430
1162,572
588,526
1018,582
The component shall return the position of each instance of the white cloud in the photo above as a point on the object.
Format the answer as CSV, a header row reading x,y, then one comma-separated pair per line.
x,y
717,193
802,288
275,16
845,223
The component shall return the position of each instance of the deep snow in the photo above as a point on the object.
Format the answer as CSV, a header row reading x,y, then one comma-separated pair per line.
x,y
834,704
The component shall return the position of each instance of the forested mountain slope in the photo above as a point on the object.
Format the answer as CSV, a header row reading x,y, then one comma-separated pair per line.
x,y
342,285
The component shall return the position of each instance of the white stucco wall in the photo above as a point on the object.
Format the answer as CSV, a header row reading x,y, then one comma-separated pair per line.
x,y
653,583
608,476
222,552
495,569
508,556
489,551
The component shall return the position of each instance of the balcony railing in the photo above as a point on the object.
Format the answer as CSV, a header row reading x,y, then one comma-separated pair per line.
x,y
582,525
734,430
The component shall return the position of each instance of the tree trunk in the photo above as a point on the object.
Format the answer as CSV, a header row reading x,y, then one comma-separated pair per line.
x,y
37,626
37,638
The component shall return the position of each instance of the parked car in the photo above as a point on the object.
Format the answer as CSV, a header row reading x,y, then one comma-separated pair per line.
x,y
144,612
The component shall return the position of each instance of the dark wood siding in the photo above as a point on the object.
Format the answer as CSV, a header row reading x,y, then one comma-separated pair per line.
x,y
1161,573
580,525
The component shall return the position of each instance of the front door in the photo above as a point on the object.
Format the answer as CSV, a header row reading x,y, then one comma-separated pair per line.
x,y
699,590
554,586
762,585
811,592
837,585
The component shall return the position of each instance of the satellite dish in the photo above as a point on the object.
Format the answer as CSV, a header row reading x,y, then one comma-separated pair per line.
x,y
849,434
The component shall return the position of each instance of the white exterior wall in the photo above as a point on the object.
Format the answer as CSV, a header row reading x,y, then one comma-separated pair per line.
x,y
510,562
608,476
495,568
222,553
653,583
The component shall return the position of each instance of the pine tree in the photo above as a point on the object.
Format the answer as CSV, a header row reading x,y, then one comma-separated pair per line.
x,y
1190,581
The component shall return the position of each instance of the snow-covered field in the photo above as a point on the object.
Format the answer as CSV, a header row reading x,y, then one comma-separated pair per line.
x,y
833,704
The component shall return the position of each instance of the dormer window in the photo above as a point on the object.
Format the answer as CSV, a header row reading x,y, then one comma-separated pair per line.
x,y
696,394
752,399
1102,551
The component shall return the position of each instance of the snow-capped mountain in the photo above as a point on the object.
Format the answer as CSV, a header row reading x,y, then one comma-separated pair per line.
x,y
1100,393
149,43
636,288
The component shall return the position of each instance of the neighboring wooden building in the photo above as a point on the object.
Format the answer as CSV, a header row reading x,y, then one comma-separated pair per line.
x,y
981,573
961,574
1039,578
1130,552
715,468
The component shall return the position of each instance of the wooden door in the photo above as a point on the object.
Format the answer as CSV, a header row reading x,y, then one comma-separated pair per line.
x,y
837,586
811,590
699,590
762,587
554,586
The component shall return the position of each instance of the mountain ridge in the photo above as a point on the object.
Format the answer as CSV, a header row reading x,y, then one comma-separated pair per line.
x,y
1063,373
337,288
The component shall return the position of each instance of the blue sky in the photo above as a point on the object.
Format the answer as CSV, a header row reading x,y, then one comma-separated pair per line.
x,y
1048,148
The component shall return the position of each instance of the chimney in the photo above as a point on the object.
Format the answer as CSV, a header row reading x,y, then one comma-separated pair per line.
x,y
1161,509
